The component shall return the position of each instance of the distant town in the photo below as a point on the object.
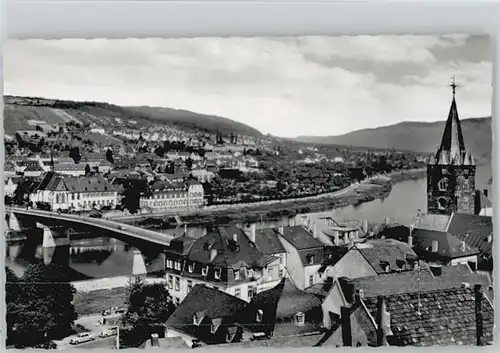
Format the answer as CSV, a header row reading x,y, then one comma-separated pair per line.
x,y
124,231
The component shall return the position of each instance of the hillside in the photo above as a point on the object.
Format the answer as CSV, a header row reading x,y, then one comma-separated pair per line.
x,y
414,136
18,111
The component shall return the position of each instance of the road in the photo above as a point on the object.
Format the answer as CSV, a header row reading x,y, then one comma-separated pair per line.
x,y
90,323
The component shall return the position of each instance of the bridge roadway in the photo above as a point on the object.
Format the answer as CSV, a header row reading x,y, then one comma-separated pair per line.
x,y
113,226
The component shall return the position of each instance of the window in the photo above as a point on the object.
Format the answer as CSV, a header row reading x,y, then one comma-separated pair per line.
x,y
311,280
189,286
178,265
204,271
260,315
443,184
282,273
191,268
282,259
217,273
237,292
250,292
300,319
170,281
236,275
310,259
177,283
250,273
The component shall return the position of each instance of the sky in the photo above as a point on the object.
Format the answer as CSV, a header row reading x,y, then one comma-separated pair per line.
x,y
287,87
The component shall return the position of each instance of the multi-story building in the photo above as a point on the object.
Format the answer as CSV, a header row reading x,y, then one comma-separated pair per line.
x,y
226,259
77,193
164,196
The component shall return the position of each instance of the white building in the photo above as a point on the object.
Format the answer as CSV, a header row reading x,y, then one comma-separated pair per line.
x,y
76,193
164,197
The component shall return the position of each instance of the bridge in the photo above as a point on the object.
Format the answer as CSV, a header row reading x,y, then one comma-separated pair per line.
x,y
127,231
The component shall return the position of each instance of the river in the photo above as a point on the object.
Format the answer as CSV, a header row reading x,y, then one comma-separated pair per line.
x,y
99,257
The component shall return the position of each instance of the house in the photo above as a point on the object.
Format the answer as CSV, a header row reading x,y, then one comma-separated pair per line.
x,y
305,255
225,258
283,311
78,193
71,169
10,186
443,248
369,259
164,196
202,175
206,316
33,170
457,316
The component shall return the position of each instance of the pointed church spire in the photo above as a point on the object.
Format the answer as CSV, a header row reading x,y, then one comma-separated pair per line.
x,y
453,140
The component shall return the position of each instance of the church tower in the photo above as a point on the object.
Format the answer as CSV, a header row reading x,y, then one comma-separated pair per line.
x,y
451,171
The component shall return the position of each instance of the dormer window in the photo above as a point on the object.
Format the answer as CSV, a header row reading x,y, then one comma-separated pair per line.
x,y
236,275
260,315
198,318
191,268
204,271
214,326
178,265
217,273
385,266
310,259
250,273
300,319
170,264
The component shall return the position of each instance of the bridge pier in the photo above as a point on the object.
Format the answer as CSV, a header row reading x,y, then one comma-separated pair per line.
x,y
139,266
12,222
55,249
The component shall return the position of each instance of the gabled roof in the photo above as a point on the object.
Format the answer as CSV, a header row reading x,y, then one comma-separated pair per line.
x,y
300,238
229,252
268,242
472,229
280,303
212,303
449,246
378,252
447,317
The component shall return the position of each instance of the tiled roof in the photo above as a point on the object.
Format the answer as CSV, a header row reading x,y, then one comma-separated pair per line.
x,y
278,305
34,168
472,229
433,222
412,281
229,252
449,246
320,289
300,238
70,166
209,304
393,252
447,317
300,341
268,242
94,183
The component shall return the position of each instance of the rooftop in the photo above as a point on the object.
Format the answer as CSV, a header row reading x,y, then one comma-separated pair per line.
x,y
268,242
300,238
386,251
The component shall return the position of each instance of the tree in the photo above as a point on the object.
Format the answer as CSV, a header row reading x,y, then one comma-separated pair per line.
x,y
41,306
131,196
109,156
149,307
74,153
189,163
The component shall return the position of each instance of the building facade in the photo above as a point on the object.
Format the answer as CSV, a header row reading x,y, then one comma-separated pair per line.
x,y
165,197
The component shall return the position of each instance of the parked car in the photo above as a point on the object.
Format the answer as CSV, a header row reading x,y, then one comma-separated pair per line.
x,y
95,214
109,331
82,338
47,345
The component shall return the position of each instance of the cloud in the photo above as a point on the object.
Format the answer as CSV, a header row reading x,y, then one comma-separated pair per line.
x,y
284,86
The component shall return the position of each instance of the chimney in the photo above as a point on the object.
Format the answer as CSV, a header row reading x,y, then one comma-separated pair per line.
x,y
213,254
291,221
359,295
235,237
155,343
281,230
485,192
490,238
479,314
462,246
251,233
315,230
410,241
387,220
434,246
381,322
346,327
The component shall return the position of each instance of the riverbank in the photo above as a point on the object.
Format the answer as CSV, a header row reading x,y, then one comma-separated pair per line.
x,y
356,194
